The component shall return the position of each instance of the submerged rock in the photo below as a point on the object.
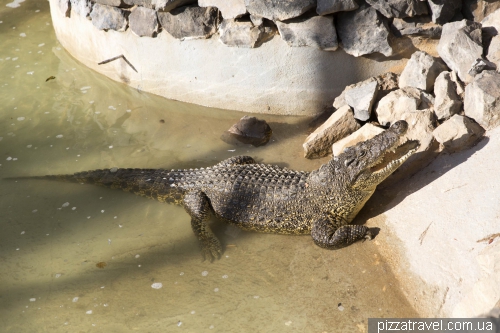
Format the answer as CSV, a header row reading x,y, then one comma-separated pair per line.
x,y
143,22
460,45
316,31
108,18
363,31
250,130
340,124
458,133
189,22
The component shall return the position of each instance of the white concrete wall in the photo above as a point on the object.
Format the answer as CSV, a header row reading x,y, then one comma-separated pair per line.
x,y
273,78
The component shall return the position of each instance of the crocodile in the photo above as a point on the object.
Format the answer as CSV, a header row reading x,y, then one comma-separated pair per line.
x,y
268,198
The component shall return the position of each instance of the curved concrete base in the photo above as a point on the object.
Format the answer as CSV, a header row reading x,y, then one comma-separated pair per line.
x,y
273,78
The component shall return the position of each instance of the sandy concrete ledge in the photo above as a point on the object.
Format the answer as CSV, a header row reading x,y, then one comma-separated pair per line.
x,y
438,229
273,78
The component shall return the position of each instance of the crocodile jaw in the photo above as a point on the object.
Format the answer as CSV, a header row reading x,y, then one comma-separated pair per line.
x,y
386,165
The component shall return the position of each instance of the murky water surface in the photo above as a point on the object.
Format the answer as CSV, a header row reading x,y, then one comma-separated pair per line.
x,y
77,258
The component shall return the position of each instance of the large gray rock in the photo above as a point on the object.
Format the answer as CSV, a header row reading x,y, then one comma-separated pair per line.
x,y
108,18
240,34
396,104
482,99
447,101
316,31
366,132
65,7
361,98
459,84
166,5
340,124
81,7
229,9
326,7
494,51
477,10
460,45
444,10
114,3
279,9
491,36
143,22
458,133
399,8
387,83
418,26
421,71
363,31
143,3
189,22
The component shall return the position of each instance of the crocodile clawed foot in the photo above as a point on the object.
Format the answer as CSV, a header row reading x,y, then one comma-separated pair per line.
x,y
211,250
368,236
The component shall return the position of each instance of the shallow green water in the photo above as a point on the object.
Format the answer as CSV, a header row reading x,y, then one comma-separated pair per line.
x,y
52,235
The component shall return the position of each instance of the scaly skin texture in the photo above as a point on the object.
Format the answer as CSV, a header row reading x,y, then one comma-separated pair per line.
x,y
268,198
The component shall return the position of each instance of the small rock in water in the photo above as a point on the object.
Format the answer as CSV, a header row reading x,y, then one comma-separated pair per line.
x,y
249,130
157,285
59,136
204,273
179,323
340,307
75,299
288,323
20,118
58,275
89,312
216,290
32,299
66,204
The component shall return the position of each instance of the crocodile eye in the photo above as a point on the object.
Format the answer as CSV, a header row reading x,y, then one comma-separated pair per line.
x,y
362,153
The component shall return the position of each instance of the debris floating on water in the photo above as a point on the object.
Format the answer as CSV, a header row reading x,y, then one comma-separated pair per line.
x,y
157,285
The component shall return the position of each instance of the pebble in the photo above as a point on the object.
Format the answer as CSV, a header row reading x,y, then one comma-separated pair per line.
x,y
66,204
157,285
32,299
40,45
22,34
73,208
30,73
225,276
58,275
75,299
34,210
216,290
59,136
204,273
20,118
89,312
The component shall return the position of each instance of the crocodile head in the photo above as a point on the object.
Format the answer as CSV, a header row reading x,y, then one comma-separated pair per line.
x,y
366,164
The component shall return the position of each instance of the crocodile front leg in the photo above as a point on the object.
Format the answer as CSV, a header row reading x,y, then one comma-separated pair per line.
x,y
328,235
198,207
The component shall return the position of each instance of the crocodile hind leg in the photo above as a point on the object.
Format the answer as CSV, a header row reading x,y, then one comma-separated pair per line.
x,y
328,235
198,207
